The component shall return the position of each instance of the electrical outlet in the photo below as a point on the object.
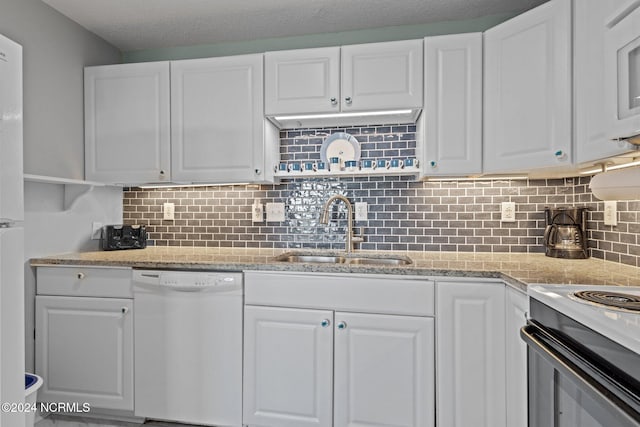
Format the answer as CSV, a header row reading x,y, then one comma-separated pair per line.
x,y
611,213
275,212
96,230
257,211
169,210
508,212
361,211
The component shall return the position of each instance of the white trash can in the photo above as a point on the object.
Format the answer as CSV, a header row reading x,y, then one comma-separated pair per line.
x,y
31,385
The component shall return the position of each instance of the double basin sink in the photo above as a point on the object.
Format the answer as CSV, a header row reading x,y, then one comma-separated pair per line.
x,y
352,259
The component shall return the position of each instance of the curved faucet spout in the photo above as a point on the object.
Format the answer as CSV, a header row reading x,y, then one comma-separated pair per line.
x,y
324,219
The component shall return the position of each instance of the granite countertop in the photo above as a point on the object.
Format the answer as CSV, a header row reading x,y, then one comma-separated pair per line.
x,y
519,270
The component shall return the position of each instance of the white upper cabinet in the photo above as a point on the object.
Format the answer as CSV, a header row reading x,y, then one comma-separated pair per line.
x,y
378,76
217,125
302,81
358,78
528,92
453,105
591,131
622,70
127,123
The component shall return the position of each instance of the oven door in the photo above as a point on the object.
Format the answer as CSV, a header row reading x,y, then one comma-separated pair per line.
x,y
568,390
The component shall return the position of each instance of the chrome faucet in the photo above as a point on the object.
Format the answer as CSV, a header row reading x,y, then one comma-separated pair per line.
x,y
350,239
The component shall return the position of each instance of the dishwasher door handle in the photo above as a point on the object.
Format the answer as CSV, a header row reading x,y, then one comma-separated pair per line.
x,y
188,288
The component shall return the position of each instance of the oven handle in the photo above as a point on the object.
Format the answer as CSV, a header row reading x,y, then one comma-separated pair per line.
x,y
567,368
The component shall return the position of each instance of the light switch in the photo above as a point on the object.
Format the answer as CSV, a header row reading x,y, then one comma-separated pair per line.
x,y
275,212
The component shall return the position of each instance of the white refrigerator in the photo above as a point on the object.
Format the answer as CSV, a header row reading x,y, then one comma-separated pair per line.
x,y
11,233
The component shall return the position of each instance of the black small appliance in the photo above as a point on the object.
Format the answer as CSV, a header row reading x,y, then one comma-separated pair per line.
x,y
115,237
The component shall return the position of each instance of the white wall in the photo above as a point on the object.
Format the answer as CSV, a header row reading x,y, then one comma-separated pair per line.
x,y
50,229
55,51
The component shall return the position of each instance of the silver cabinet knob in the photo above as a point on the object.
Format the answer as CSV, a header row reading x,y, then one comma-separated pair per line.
x,y
348,100
124,310
342,325
334,101
80,276
258,171
325,323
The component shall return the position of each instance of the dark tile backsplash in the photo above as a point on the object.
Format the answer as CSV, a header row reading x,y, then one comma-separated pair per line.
x,y
403,214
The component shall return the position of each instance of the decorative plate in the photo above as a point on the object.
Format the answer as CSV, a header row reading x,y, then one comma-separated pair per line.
x,y
342,145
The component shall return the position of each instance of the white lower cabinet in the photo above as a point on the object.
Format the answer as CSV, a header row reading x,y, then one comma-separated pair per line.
x,y
333,368
516,309
381,366
85,351
470,356
84,337
383,370
288,364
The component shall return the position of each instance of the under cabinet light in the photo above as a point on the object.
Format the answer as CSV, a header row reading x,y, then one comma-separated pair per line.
x,y
599,169
338,115
175,185
604,167
481,178
626,165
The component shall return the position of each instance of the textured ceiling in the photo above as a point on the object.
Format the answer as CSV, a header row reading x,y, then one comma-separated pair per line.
x,y
143,24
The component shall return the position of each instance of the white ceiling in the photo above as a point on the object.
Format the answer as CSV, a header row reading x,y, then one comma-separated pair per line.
x,y
143,24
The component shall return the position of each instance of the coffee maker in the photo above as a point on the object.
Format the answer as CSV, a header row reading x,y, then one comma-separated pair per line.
x,y
566,233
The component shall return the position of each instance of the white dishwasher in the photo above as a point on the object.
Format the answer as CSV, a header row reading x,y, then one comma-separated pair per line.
x,y
188,346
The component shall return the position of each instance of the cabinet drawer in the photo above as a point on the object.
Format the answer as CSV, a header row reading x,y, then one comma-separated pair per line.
x,y
84,281
358,293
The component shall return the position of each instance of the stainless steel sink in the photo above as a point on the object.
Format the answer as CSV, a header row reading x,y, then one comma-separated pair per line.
x,y
380,261
288,257
358,259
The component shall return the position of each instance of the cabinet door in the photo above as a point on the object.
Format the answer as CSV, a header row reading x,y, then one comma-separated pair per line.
x,y
516,308
384,76
527,98
470,356
302,81
84,351
453,104
288,367
622,71
127,123
592,139
384,371
217,119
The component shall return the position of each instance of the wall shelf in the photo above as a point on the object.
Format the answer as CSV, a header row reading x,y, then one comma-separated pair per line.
x,y
73,188
338,174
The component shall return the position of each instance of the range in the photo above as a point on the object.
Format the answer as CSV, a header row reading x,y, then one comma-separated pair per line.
x,y
583,356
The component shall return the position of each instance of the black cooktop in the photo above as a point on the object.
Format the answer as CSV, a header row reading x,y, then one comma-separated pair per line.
x,y
611,299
